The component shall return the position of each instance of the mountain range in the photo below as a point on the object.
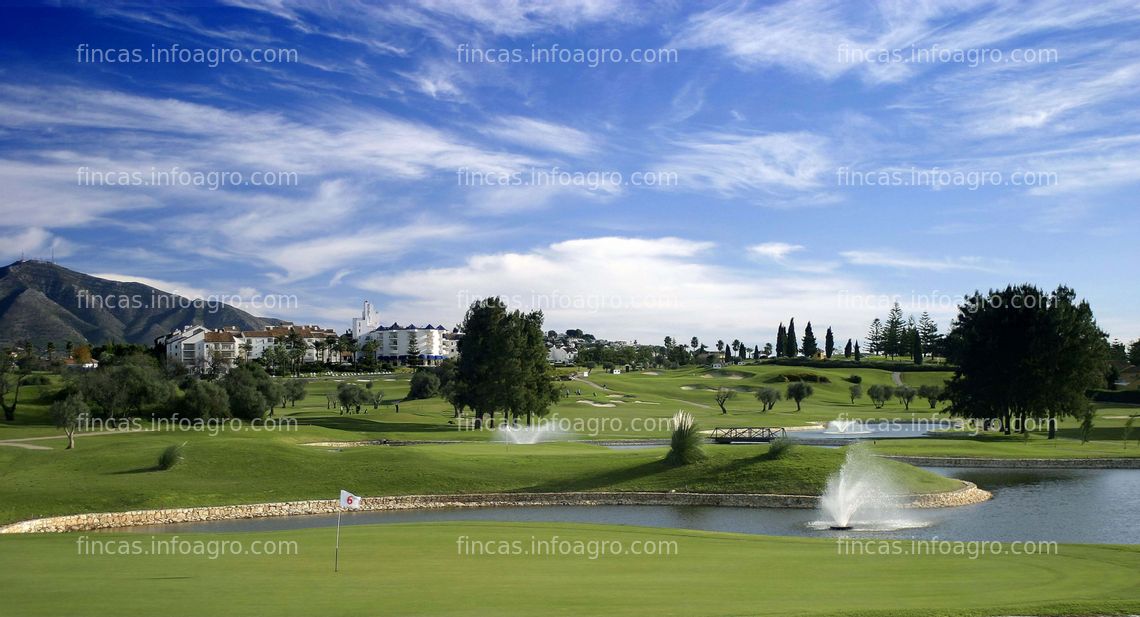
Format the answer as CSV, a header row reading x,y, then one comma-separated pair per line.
x,y
42,301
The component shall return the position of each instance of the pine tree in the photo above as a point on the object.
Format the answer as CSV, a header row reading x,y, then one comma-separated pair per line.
x,y
847,349
829,344
893,332
791,346
809,344
781,334
928,333
413,357
875,337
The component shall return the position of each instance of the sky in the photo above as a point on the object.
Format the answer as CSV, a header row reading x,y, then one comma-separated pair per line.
x,y
633,169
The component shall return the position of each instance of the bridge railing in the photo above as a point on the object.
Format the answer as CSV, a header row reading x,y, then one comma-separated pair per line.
x,y
747,433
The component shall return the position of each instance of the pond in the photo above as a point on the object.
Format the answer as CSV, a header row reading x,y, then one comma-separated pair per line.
x,y
1070,506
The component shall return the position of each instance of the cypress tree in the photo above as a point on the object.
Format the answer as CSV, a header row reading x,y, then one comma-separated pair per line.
x,y
791,346
858,356
847,349
781,334
829,343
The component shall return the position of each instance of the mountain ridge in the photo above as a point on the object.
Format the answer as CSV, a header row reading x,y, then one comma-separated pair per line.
x,y
42,301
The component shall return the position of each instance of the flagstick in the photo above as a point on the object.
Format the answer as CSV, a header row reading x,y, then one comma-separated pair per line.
x,y
336,558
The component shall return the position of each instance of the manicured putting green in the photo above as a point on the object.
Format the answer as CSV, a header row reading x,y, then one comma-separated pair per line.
x,y
417,569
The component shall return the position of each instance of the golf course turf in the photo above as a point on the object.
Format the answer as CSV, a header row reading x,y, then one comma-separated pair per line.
x,y
431,569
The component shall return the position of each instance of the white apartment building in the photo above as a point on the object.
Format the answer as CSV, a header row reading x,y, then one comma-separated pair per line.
x,y
368,321
196,347
257,342
393,343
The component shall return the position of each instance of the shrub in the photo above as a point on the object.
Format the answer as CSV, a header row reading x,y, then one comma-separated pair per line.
x,y
425,384
35,380
780,447
171,456
855,378
685,445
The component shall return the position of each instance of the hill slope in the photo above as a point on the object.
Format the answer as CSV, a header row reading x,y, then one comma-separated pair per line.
x,y
41,302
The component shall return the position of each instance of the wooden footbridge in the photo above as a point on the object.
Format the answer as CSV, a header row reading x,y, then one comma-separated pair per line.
x,y
756,434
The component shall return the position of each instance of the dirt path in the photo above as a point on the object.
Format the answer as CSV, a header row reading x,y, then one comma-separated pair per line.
x,y
23,441
897,378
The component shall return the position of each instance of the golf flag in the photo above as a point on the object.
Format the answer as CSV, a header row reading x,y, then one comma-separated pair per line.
x,y
348,500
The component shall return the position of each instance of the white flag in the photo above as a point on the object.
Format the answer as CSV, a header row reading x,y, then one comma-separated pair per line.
x,y
350,501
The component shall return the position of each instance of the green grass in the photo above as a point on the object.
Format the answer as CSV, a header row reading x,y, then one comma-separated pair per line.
x,y
417,569
114,473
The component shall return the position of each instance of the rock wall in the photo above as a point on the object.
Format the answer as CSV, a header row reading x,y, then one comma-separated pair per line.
x,y
107,520
1021,463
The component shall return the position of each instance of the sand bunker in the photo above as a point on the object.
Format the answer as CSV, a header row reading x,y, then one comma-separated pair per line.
x,y
598,404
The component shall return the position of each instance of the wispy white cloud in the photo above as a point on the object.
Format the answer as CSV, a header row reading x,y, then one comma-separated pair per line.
x,y
908,262
733,164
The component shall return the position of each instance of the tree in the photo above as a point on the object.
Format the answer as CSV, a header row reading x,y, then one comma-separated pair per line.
x,y
251,390
351,397
916,353
141,385
205,399
768,396
798,391
905,394
295,390
451,387
722,396
829,343
781,338
847,349
413,352
1134,353
880,394
502,362
858,354
809,343
11,378
931,393
1111,376
855,391
1021,352
893,332
791,348
875,337
425,384
767,350
67,413
928,333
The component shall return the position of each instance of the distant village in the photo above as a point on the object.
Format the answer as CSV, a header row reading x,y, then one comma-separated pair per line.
x,y
366,342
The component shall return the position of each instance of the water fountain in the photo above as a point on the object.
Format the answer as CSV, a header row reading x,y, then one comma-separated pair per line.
x,y
863,496
847,427
527,435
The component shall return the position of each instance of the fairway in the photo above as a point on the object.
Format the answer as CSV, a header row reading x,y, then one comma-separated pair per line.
x,y
423,569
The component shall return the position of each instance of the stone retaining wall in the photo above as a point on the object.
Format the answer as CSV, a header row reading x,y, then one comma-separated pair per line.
x,y
107,520
1021,463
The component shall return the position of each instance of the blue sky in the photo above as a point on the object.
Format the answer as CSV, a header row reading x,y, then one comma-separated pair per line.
x,y
764,123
